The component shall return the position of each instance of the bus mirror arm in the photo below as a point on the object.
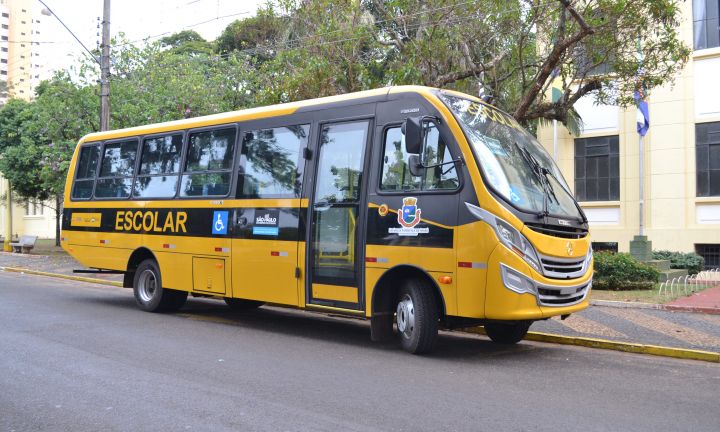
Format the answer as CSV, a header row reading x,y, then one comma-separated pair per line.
x,y
417,168
414,131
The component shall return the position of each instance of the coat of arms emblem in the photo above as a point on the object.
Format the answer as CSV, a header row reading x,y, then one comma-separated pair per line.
x,y
409,214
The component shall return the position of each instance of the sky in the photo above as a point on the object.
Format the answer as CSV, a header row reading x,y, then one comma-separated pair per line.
x,y
138,19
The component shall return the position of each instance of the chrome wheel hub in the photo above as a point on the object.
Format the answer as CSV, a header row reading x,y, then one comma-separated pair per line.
x,y
147,284
406,316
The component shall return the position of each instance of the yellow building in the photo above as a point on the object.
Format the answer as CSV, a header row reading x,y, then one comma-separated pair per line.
x,y
681,157
21,67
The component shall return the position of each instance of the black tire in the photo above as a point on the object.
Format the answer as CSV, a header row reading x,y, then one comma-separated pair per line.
x,y
149,293
240,305
417,317
507,333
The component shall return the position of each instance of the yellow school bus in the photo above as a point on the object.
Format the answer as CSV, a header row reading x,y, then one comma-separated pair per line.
x,y
414,207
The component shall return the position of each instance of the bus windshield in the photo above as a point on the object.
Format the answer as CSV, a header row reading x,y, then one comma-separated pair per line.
x,y
515,165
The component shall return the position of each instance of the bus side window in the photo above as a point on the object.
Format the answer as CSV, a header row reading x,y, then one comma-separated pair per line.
x,y
85,172
396,175
117,169
269,162
436,152
159,167
208,165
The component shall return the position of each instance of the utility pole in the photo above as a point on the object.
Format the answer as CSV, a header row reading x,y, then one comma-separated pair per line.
x,y
105,69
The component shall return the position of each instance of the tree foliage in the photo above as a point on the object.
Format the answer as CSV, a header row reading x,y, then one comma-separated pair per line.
x,y
300,49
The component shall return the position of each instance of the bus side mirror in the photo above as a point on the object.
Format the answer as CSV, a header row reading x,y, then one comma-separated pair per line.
x,y
415,166
413,131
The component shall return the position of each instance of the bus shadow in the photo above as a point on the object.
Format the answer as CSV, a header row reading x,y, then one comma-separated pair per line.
x,y
345,330
348,331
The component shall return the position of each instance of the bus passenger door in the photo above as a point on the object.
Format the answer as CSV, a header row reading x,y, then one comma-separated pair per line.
x,y
334,249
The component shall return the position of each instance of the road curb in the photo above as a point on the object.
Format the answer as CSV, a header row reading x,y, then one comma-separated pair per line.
x,y
670,308
636,348
62,276
629,347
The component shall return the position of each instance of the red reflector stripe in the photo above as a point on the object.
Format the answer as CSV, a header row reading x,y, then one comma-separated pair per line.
x,y
218,249
166,246
370,259
274,253
465,264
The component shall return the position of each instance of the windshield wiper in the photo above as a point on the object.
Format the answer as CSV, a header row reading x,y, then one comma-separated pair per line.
x,y
541,174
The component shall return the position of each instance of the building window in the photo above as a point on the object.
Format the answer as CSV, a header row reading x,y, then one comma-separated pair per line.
x,y
605,246
3,60
597,169
4,38
3,72
706,32
4,15
4,49
5,26
711,254
33,208
707,159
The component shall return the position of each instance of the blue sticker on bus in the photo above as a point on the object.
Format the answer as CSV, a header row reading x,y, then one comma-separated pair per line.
x,y
266,231
220,222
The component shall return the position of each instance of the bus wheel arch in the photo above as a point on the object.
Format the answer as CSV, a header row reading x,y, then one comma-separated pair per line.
x,y
386,295
138,256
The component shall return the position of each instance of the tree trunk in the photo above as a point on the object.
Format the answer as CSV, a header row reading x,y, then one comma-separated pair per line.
x,y
58,214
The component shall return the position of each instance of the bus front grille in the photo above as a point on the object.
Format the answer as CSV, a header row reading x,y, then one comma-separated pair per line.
x,y
562,296
561,268
558,231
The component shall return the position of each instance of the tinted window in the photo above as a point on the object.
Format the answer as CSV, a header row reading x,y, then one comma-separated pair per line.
x,y
216,183
340,169
269,162
85,172
396,175
113,188
119,159
211,150
87,164
209,163
155,186
161,155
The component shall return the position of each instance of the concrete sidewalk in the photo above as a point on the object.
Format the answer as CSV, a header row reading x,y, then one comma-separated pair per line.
x,y
622,322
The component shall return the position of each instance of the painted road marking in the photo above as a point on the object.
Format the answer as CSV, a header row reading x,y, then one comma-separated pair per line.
x,y
587,326
668,328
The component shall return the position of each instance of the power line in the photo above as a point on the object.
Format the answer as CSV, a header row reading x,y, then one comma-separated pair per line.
x,y
70,31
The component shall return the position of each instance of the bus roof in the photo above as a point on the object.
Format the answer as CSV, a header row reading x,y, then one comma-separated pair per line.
x,y
251,113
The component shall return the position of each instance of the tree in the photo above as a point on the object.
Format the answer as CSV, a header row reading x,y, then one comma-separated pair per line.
x,y
187,42
514,49
257,35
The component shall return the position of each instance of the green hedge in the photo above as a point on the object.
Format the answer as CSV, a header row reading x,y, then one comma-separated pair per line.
x,y
620,271
693,262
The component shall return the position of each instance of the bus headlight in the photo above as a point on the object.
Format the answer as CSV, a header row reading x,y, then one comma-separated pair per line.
x,y
516,281
518,243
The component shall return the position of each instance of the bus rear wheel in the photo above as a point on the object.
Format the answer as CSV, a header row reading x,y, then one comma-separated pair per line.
x,y
507,333
417,318
149,293
240,305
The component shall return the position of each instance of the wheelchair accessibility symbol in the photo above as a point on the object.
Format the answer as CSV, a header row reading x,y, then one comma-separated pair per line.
x,y
220,221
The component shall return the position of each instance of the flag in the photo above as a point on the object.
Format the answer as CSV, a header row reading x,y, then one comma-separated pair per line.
x,y
643,115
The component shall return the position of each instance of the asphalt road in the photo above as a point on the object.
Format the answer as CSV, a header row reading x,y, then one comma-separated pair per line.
x,y
81,357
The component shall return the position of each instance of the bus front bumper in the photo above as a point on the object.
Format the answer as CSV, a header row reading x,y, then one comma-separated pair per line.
x,y
515,291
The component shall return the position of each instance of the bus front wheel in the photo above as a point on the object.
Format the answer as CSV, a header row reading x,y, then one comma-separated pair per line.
x,y
507,333
416,318
149,293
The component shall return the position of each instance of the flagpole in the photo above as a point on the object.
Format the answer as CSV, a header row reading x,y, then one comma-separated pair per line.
x,y
642,187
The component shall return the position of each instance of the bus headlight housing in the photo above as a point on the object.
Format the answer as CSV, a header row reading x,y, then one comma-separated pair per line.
x,y
517,243
516,281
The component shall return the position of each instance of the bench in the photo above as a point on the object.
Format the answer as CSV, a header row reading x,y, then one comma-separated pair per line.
x,y
25,244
